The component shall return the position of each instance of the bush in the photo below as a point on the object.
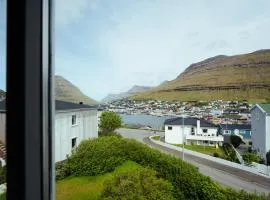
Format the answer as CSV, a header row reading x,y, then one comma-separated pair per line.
x,y
250,157
235,140
142,184
102,155
3,173
61,170
216,154
268,158
109,121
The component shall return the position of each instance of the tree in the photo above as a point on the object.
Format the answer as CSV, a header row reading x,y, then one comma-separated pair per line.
x,y
268,158
236,141
109,121
141,184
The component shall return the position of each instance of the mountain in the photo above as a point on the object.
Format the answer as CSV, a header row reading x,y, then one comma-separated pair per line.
x,y
66,91
134,90
223,77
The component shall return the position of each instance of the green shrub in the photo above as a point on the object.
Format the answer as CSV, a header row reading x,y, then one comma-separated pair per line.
x,y
216,154
235,140
250,157
3,173
102,155
109,121
141,184
61,170
3,196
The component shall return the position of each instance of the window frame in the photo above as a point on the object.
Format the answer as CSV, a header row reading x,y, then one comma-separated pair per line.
x,y
30,157
170,128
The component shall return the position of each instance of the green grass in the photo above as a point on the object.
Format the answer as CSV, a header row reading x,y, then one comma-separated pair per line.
x,y
209,150
3,196
156,137
88,187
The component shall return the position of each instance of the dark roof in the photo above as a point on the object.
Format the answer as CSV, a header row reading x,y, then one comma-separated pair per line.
x,y
235,126
192,121
59,105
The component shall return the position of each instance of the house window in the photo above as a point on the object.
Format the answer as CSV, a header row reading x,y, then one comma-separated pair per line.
x,y
205,130
74,120
192,131
257,115
73,142
169,127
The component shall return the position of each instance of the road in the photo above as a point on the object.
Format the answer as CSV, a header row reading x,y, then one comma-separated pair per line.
x,y
224,175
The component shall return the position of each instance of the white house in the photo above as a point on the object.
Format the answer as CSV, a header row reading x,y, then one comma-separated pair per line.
x,y
196,131
260,127
73,123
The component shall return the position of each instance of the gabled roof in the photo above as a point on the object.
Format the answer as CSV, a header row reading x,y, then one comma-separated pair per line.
x,y
235,126
265,108
59,106
191,121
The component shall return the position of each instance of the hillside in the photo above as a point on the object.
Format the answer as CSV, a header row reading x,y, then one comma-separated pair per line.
x,y
236,77
134,90
66,91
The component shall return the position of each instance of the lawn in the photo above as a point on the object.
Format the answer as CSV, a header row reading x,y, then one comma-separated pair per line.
x,y
209,150
156,138
88,187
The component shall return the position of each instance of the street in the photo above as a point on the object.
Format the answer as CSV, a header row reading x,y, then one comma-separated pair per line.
x,y
224,175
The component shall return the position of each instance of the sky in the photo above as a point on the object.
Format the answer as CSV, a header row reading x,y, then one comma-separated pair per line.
x,y
105,46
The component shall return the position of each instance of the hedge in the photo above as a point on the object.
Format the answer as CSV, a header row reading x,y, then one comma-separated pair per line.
x,y
103,155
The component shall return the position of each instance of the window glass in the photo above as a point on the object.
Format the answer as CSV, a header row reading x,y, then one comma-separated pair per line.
x,y
137,69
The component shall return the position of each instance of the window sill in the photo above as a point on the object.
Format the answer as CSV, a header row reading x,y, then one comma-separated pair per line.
x,y
74,125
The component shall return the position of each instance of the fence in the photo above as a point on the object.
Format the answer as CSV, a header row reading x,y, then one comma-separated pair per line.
x,y
258,170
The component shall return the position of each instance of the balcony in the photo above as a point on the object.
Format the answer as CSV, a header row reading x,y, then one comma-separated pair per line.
x,y
208,138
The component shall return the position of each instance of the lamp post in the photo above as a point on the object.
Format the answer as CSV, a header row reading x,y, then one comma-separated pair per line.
x,y
183,132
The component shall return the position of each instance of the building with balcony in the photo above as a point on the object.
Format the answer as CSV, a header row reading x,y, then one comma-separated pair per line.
x,y
191,131
260,124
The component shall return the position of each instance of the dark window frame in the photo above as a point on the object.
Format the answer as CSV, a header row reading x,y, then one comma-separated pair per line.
x,y
73,144
74,120
170,128
30,157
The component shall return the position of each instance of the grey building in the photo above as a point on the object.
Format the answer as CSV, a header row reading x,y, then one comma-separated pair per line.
x,y
260,128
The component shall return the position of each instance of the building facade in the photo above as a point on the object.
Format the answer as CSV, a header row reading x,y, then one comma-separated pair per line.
x,y
73,123
260,123
191,131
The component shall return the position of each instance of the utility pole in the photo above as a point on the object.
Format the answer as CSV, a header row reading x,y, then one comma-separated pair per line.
x,y
183,132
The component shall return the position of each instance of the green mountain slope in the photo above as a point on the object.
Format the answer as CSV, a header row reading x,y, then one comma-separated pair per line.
x,y
237,77
66,91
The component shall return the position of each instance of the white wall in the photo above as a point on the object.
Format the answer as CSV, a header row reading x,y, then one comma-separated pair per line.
x,y
258,131
175,135
85,128
267,134
3,127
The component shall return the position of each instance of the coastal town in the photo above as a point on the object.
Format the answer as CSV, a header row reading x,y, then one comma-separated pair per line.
x,y
219,111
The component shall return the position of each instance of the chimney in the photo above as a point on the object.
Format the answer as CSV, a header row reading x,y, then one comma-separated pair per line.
x,y
198,126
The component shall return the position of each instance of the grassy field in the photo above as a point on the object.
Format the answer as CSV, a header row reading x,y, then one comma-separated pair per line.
x,y
156,137
253,96
209,150
88,187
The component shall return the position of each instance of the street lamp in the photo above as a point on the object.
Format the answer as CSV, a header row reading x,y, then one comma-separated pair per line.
x,y
183,132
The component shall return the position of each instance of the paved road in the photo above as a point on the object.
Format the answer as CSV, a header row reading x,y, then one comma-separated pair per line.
x,y
226,176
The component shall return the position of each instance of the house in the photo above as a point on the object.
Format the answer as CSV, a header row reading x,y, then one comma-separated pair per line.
x,y
244,130
260,123
196,131
73,123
